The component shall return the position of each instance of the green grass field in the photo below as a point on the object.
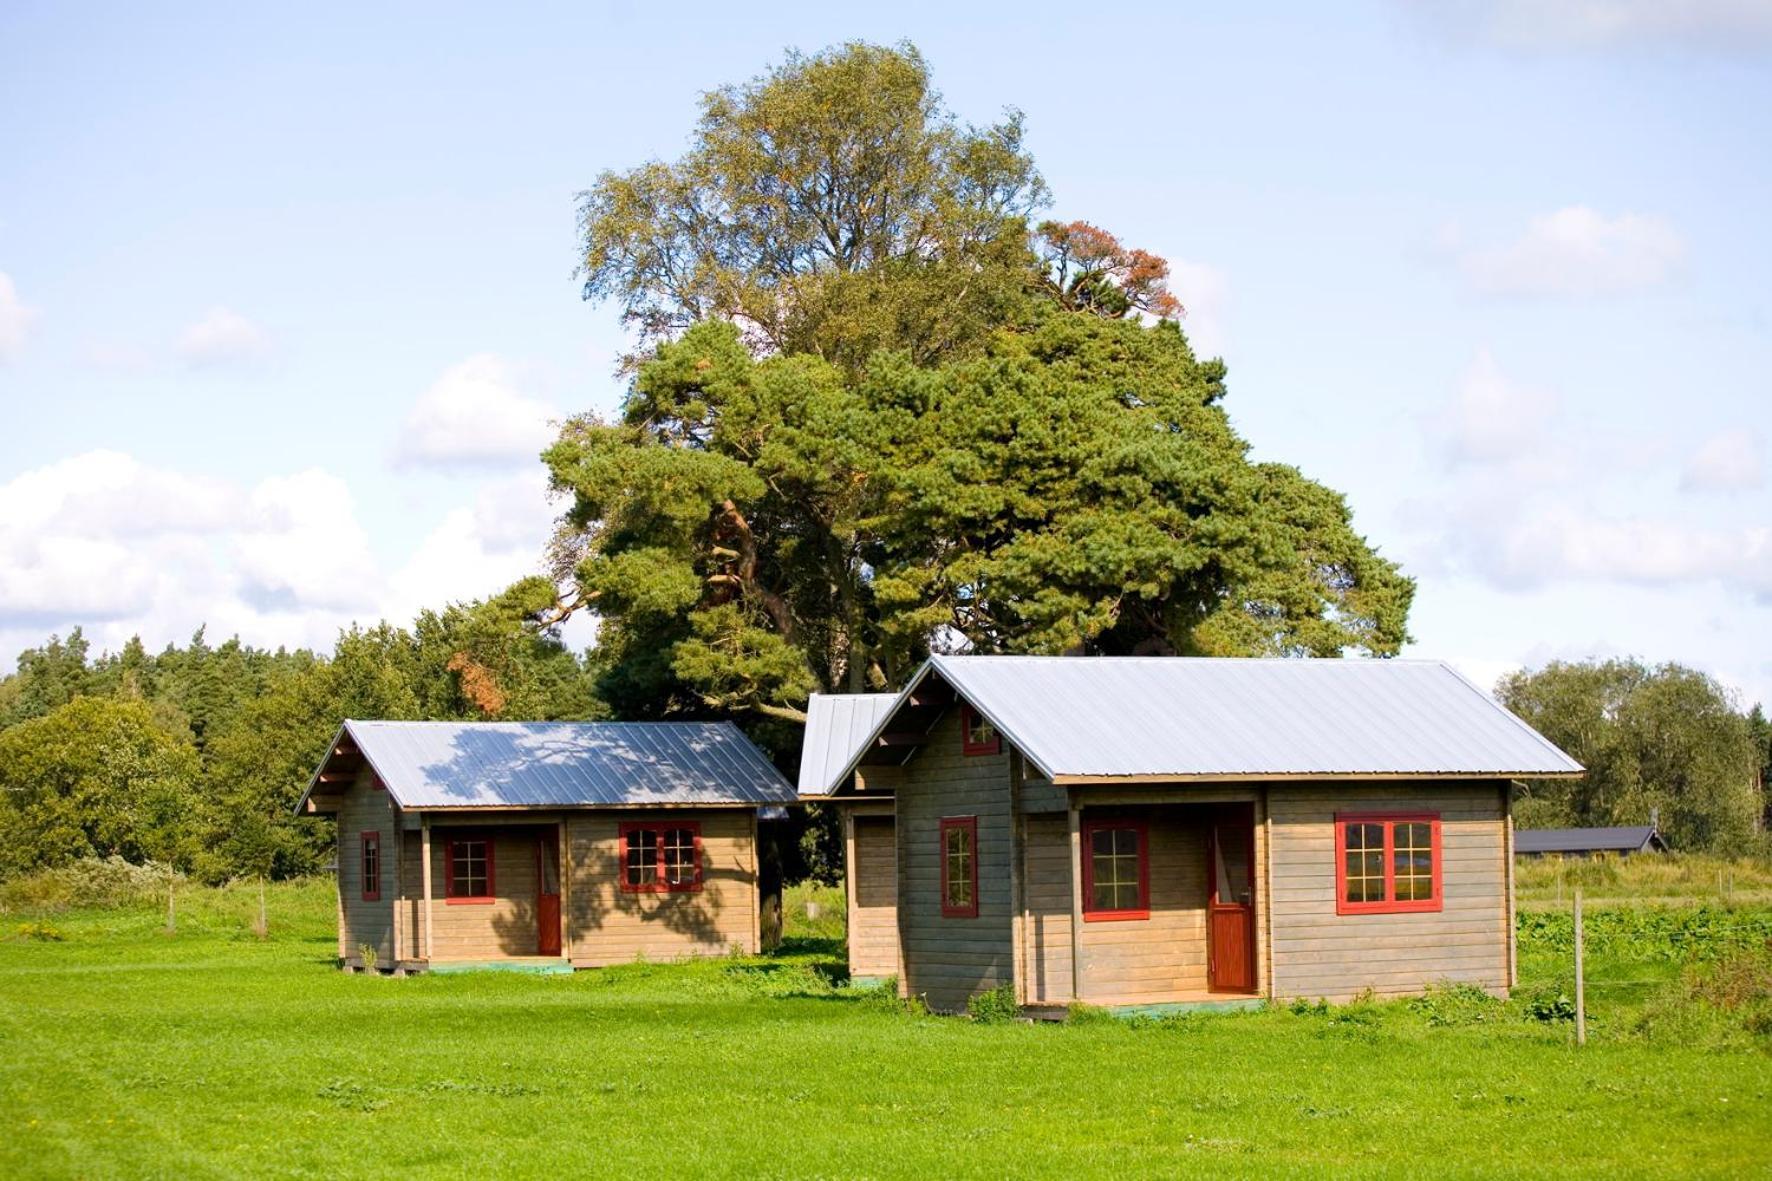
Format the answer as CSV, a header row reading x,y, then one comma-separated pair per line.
x,y
127,1052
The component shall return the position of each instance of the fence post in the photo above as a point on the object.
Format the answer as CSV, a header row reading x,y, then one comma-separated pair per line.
x,y
1580,984
264,921
171,906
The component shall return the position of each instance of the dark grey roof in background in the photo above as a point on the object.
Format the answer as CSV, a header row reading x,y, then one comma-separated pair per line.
x,y
567,764
1632,838
837,727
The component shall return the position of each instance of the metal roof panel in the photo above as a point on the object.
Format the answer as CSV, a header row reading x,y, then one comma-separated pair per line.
x,y
1200,717
567,764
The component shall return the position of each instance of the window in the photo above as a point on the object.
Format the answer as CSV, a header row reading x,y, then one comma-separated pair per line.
x,y
1116,870
1387,862
371,866
468,876
977,735
660,860
959,867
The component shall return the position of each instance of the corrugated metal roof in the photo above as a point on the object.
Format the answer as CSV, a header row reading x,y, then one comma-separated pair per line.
x,y
838,726
567,764
1194,717
1633,838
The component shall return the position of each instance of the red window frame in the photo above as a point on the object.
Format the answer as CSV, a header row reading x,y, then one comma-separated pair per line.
x,y
1389,904
450,897
659,828
369,862
968,825
969,718
1092,914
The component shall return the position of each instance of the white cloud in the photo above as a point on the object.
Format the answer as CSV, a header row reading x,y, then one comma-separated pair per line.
x,y
15,319
299,542
1729,461
222,337
480,549
473,415
1583,24
1559,543
1577,251
119,547
1205,292
1493,419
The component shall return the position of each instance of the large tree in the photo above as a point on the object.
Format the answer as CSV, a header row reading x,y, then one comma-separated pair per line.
x,y
95,777
755,529
884,413
832,206
1663,741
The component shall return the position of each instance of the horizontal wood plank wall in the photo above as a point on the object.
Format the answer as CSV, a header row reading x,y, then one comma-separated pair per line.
x,y
501,929
1318,953
947,960
1129,960
873,917
1048,926
609,926
366,808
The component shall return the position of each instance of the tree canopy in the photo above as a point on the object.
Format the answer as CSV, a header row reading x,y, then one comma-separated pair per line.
x,y
832,206
759,528
1662,741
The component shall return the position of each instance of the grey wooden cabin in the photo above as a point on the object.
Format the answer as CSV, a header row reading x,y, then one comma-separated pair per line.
x,y
1157,831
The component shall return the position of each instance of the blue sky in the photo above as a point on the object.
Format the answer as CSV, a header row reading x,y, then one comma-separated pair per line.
x,y
286,303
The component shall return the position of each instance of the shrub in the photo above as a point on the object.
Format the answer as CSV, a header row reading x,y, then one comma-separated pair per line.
x,y
1448,1004
994,1007
41,932
1728,1001
1548,1004
91,882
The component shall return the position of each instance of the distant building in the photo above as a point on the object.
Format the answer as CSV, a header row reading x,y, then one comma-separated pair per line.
x,y
564,844
1585,842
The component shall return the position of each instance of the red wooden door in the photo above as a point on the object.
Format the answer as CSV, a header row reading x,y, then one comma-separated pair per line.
x,y
1230,905
547,894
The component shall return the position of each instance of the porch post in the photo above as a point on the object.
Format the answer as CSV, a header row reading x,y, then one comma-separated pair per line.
x,y
1017,891
399,890
1076,898
563,867
425,858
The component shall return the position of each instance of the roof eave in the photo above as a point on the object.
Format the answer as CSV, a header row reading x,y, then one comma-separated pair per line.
x,y
1081,779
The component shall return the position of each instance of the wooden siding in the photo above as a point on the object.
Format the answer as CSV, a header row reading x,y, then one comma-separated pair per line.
x,y
873,902
608,926
366,808
947,960
500,929
1124,961
1318,953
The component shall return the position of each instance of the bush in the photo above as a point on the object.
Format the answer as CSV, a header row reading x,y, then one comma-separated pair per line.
x,y
41,932
1551,1005
994,1007
1724,1002
91,882
1456,1004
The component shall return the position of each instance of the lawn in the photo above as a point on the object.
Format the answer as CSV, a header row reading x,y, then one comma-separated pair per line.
x,y
128,1052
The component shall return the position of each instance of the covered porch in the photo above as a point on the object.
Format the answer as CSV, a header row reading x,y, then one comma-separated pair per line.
x,y
1140,901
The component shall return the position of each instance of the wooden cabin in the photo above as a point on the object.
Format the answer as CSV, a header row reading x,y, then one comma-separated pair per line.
x,y
550,844
1164,831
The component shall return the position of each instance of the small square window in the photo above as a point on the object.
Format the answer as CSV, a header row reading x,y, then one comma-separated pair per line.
x,y
468,869
1116,870
977,735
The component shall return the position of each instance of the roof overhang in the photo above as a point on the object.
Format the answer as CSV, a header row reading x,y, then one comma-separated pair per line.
x,y
344,760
